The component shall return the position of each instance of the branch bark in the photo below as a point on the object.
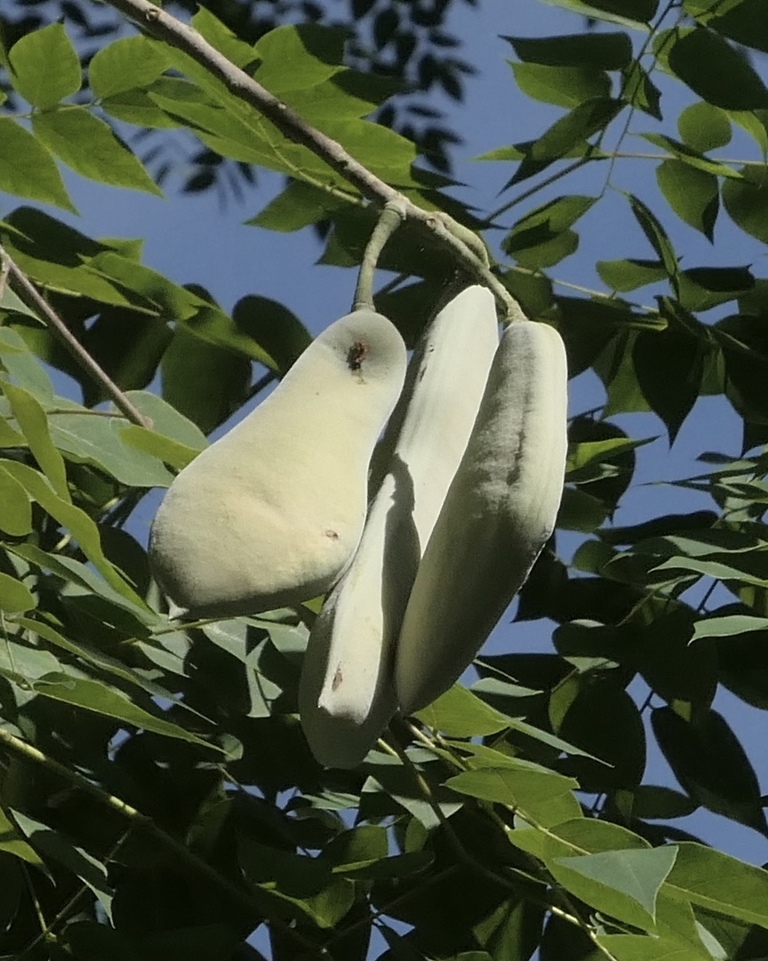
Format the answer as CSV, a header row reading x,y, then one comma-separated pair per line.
x,y
161,25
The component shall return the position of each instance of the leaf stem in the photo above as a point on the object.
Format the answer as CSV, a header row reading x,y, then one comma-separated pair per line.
x,y
52,320
391,217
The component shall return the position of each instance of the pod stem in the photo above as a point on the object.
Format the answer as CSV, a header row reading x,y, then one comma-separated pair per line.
x,y
390,218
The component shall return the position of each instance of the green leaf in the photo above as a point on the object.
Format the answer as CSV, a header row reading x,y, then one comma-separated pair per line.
x,y
97,697
711,765
92,437
606,51
632,13
224,40
75,572
33,422
126,64
167,421
23,366
562,86
637,947
162,448
298,206
728,625
83,529
655,234
542,237
15,597
623,884
460,713
691,193
45,67
91,148
691,157
704,126
629,274
720,883
716,72
27,169
527,790
568,134
15,507
12,843
747,204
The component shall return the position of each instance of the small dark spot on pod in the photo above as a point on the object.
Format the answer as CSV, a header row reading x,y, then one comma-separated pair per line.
x,y
356,355
332,534
338,677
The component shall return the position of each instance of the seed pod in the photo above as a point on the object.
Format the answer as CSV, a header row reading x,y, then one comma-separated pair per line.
x,y
346,695
498,513
271,513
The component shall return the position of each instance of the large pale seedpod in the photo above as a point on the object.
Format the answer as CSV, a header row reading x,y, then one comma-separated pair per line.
x,y
271,513
346,696
499,512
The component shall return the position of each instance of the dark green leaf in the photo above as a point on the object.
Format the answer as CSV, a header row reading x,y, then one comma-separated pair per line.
x,y
717,72
655,234
205,383
669,367
606,51
275,328
711,765
743,22
59,848
656,801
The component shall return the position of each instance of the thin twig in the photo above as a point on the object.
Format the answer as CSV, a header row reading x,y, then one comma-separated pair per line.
x,y
52,320
161,25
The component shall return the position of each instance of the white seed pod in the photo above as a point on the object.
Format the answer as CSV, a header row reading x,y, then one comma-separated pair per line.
x,y
498,513
271,513
346,696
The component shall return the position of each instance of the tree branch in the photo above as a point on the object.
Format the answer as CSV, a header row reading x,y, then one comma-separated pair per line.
x,y
161,25
48,315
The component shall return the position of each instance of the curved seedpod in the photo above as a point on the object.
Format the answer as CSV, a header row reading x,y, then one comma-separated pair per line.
x,y
346,695
499,512
271,513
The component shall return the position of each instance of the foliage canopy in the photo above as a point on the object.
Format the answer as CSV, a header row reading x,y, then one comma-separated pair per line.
x,y
157,798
